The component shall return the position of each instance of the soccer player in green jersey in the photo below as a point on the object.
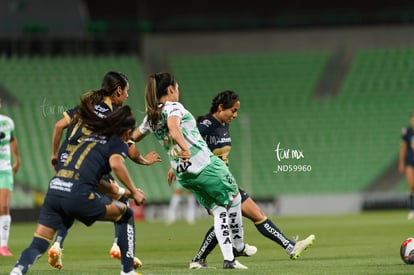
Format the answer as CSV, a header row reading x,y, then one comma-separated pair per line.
x,y
193,164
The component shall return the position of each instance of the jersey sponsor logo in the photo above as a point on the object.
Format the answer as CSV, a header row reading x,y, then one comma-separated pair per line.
x,y
131,241
214,140
99,110
58,184
206,122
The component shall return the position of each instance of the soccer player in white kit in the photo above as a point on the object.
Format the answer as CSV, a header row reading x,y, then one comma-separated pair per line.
x,y
8,149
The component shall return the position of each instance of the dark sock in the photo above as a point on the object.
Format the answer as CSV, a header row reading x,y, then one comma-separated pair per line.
x,y
411,202
126,240
36,249
209,243
116,231
269,230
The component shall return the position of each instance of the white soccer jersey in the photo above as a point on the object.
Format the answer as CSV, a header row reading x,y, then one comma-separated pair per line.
x,y
200,154
6,132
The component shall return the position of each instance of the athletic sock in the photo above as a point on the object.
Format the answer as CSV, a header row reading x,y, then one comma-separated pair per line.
x,y
236,223
5,221
271,231
61,236
411,202
124,200
36,249
126,240
172,208
222,230
208,244
191,205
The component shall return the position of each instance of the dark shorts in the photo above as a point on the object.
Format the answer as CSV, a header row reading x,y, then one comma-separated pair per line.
x,y
61,211
243,194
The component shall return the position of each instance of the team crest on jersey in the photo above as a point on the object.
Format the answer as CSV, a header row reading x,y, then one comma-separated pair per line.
x,y
206,122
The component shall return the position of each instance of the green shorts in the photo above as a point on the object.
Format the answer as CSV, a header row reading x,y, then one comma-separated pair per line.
x,y
213,185
6,180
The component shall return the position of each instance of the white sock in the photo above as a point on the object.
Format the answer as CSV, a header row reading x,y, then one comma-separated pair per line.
x,y
222,230
191,205
5,221
236,223
172,208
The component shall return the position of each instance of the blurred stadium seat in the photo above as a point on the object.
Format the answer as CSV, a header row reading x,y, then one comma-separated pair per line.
x,y
347,140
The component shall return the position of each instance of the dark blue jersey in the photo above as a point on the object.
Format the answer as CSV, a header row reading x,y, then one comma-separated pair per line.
x,y
408,138
85,165
75,130
216,135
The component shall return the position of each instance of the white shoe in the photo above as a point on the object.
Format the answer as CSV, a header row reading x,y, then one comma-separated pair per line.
x,y
130,273
411,215
115,253
233,265
16,271
301,246
248,250
201,264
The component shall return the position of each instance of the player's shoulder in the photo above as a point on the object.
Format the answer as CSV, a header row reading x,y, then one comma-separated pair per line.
x,y
6,120
174,108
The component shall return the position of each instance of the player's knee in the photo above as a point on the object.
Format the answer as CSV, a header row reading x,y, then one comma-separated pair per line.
x,y
126,215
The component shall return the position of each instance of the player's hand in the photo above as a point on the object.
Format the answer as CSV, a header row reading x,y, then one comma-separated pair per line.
x,y
152,157
139,196
170,176
185,155
53,161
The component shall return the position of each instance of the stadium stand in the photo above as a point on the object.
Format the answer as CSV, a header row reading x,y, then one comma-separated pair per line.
x,y
346,140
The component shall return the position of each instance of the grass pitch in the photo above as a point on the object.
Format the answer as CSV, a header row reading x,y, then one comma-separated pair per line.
x,y
366,243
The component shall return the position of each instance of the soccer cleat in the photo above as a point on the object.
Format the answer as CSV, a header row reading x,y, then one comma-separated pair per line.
x,y
233,265
248,250
301,246
200,264
16,271
130,273
115,253
411,215
55,256
4,251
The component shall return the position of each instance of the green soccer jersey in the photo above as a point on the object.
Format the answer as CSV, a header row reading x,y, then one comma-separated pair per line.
x,y
200,154
6,132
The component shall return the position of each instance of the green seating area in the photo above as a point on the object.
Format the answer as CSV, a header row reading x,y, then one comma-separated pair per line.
x,y
346,140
